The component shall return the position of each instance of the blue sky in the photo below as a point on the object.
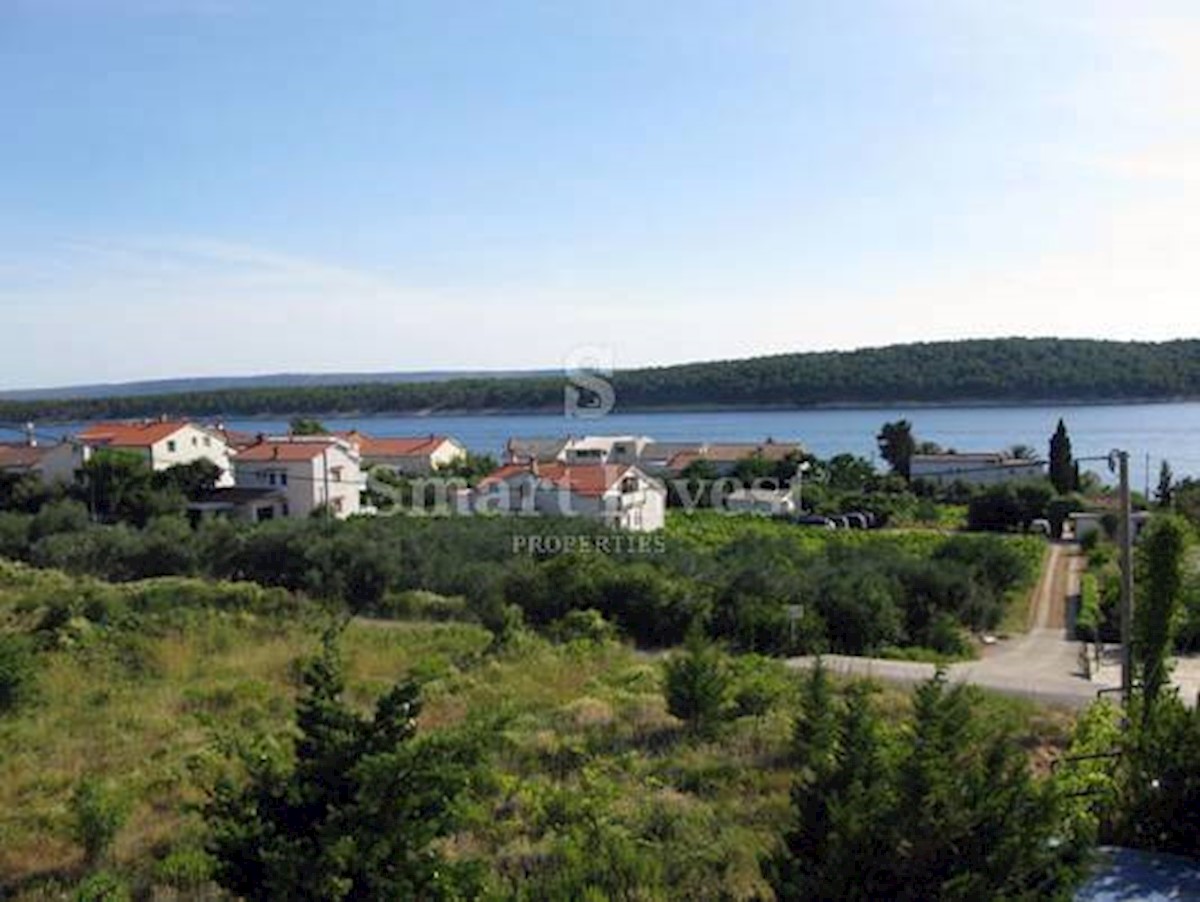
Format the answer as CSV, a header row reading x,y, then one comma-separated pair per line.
x,y
201,187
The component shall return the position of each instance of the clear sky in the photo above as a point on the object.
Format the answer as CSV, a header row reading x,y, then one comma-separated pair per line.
x,y
204,187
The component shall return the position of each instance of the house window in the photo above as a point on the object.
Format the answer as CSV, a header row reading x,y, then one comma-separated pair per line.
x,y
629,485
195,442
271,478
284,510
264,513
171,446
283,478
337,505
337,474
207,442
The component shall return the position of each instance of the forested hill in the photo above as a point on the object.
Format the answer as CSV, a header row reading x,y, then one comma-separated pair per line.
x,y
993,370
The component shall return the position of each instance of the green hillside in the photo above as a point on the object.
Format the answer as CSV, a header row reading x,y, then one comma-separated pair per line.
x,y
992,370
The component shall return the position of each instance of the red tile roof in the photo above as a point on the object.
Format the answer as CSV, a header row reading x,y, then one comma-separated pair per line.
x,y
284,451
21,456
235,439
130,435
586,479
732,453
395,446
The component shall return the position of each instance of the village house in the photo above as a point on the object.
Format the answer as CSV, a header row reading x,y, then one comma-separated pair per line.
x,y
985,468
55,462
606,449
765,502
1084,523
657,456
620,495
408,456
162,443
542,450
724,457
306,472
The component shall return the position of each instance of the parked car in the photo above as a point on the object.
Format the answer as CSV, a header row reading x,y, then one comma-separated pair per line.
x,y
815,520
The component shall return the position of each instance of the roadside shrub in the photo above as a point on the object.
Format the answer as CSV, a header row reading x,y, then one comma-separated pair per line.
x,y
759,684
697,685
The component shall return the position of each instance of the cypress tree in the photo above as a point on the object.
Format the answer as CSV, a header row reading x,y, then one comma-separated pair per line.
x,y
1063,472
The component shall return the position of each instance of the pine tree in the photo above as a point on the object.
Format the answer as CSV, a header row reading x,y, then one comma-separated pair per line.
x,y
698,685
353,815
942,808
1063,472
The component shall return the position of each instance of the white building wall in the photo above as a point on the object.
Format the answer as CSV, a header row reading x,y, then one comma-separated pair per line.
x,y
188,445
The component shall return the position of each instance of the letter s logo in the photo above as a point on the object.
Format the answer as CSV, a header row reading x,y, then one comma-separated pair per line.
x,y
588,395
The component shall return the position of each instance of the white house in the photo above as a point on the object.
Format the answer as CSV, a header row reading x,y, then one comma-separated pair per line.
x,y
767,502
251,505
622,496
987,468
1085,522
606,449
408,455
162,443
311,472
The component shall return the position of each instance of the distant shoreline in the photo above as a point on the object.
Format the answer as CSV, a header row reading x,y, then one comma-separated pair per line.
x,y
447,413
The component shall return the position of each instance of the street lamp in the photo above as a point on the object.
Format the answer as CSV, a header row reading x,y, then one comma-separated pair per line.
x,y
803,467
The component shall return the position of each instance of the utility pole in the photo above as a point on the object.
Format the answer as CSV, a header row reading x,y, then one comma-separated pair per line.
x,y
1126,535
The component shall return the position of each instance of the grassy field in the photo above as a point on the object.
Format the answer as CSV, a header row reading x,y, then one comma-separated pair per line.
x,y
587,778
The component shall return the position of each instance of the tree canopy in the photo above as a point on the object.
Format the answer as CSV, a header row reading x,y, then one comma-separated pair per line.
x,y
1010,369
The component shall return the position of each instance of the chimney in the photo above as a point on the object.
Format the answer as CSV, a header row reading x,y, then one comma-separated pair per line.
x,y
275,453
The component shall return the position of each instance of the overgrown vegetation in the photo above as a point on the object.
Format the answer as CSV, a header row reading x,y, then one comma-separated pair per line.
x,y
584,785
860,591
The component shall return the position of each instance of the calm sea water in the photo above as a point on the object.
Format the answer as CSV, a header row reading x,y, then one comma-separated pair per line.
x,y
1157,431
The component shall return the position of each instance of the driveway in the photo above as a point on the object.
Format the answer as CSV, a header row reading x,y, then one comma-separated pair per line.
x,y
1042,664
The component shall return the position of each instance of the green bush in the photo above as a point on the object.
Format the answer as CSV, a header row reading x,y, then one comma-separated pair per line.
x,y
185,869
697,685
103,886
18,673
98,811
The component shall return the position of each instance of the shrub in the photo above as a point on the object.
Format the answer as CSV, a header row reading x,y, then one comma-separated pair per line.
x,y
18,673
586,626
185,868
98,811
698,685
103,886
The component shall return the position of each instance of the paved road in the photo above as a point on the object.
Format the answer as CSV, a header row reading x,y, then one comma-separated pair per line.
x,y
1043,664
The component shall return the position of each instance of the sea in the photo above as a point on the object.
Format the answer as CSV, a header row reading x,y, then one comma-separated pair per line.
x,y
1151,433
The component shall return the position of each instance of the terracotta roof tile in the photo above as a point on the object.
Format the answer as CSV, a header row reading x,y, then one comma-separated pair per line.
x,y
284,451
591,480
130,435
21,456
